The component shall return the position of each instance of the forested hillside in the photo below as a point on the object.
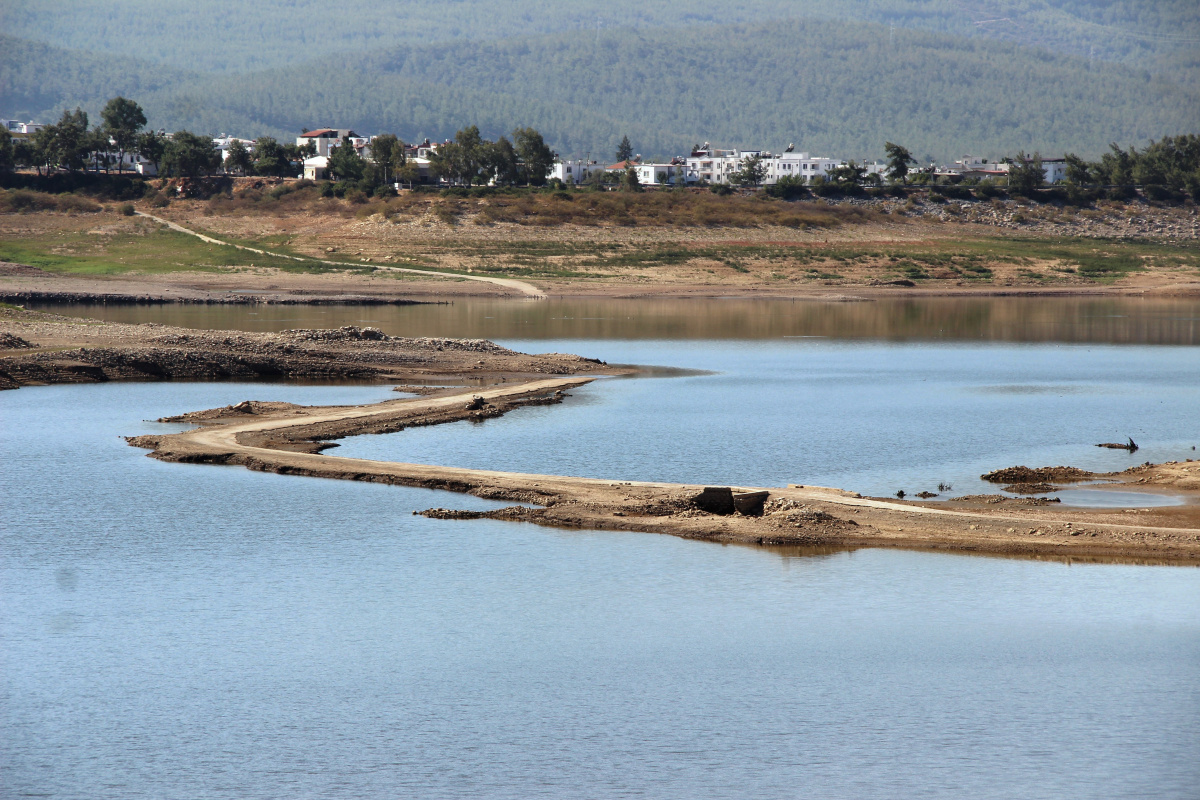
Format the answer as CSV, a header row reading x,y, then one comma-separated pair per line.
x,y
236,37
835,88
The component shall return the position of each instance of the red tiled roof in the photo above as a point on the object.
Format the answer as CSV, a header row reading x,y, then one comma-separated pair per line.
x,y
623,165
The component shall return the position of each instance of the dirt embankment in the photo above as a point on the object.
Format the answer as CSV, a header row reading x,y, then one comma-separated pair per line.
x,y
40,348
290,439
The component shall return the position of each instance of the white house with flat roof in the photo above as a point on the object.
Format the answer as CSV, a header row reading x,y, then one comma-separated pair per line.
x,y
574,171
797,165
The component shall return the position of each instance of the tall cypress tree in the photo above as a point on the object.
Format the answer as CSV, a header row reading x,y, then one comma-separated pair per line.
x,y
624,150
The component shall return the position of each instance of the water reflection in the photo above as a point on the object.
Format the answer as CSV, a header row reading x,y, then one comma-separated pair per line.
x,y
1017,319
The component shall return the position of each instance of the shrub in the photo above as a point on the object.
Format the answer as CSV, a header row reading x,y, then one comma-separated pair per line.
x,y
126,210
160,200
1162,194
788,188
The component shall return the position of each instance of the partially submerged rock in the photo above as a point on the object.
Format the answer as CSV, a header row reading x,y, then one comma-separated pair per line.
x,y
1020,475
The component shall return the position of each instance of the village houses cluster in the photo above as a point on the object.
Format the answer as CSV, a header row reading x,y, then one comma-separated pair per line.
x,y
705,164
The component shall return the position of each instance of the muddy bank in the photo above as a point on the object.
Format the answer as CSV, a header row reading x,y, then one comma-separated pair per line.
x,y
38,348
289,440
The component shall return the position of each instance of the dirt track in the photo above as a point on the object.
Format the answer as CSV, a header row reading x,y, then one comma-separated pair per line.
x,y
274,440
43,348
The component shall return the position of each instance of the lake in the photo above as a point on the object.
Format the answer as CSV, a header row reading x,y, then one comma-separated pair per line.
x,y
175,630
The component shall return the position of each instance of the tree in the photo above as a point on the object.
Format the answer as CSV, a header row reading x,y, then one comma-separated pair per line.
x,y
187,155
67,143
238,158
537,159
407,174
502,163
898,160
750,172
345,164
624,150
123,121
630,181
6,151
387,151
270,159
1025,173
1079,172
788,187
39,149
151,145
847,175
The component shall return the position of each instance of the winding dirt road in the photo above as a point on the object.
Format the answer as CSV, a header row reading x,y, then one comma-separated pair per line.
x,y
521,287
795,515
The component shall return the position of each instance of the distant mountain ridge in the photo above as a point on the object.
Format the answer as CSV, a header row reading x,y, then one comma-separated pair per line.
x,y
836,88
233,37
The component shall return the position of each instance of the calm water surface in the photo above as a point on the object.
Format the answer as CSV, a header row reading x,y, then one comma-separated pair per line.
x,y
871,417
1014,319
174,630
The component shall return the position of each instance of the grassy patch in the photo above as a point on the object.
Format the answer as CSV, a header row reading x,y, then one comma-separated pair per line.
x,y
137,249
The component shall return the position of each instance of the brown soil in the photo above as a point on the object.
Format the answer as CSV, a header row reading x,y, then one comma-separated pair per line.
x,y
72,350
731,259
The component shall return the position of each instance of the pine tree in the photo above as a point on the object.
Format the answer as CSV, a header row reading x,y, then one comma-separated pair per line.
x,y
624,150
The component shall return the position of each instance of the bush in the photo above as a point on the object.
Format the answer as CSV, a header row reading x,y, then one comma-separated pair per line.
x,y
787,188
955,192
986,191
160,201
1080,197
23,200
1162,194
720,189
127,210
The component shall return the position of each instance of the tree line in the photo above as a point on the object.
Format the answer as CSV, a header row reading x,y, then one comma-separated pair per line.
x,y
72,145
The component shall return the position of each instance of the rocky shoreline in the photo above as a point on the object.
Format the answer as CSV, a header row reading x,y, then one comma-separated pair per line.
x,y
43,349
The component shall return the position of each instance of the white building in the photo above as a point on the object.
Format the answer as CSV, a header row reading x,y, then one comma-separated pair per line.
x,y
574,171
711,165
316,168
1055,169
16,126
975,167
650,173
326,139
223,142
799,165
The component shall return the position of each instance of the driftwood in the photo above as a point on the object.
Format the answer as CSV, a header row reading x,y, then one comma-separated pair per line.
x,y
1131,446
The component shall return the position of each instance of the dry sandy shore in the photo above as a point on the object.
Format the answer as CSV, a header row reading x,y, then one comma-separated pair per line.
x,y
475,379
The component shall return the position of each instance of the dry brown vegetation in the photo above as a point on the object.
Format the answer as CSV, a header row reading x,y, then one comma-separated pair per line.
x,y
542,208
16,201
